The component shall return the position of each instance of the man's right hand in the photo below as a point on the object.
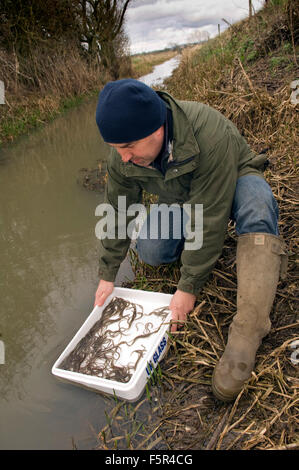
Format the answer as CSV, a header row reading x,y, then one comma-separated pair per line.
x,y
105,288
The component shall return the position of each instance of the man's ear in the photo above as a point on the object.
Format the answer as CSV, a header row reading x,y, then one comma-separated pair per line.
x,y
160,132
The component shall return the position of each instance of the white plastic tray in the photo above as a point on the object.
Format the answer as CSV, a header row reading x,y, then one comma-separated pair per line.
x,y
155,345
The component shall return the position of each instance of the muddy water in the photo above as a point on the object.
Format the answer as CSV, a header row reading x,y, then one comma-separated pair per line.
x,y
48,251
48,277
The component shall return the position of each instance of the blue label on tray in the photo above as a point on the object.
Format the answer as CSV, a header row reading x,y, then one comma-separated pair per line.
x,y
156,356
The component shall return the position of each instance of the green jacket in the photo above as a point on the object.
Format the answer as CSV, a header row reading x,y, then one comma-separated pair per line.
x,y
209,154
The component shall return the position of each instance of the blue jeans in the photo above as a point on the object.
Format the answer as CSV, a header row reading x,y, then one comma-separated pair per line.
x,y
254,209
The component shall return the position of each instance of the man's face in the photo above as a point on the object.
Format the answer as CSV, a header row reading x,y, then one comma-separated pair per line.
x,y
141,152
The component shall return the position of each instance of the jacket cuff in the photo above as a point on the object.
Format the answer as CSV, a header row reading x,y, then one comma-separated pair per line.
x,y
189,286
107,275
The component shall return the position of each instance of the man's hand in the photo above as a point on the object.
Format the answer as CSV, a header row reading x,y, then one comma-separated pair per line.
x,y
181,304
105,288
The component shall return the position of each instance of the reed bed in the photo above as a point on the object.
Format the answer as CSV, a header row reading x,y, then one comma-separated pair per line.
x,y
180,411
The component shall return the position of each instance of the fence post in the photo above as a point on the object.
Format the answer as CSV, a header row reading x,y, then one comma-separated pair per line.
x,y
250,8
2,352
2,98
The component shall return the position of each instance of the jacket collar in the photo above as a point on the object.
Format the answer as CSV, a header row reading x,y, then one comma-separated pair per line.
x,y
184,142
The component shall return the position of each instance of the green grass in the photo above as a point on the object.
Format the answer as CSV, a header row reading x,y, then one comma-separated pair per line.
x,y
22,121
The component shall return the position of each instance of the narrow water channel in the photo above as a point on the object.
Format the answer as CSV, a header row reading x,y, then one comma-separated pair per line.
x,y
161,72
48,277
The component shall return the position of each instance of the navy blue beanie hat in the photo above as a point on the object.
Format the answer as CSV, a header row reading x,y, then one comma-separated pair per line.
x,y
129,110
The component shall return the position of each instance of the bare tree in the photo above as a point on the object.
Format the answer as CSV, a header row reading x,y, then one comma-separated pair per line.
x,y
199,36
101,22
42,23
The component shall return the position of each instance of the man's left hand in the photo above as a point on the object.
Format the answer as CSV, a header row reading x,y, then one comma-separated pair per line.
x,y
181,304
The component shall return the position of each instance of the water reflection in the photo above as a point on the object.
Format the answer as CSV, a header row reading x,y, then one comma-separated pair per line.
x,y
161,72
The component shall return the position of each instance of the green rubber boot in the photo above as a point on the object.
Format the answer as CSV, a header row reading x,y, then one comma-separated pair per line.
x,y
261,257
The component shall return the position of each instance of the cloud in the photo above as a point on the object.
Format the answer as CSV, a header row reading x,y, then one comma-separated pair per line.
x,y
154,24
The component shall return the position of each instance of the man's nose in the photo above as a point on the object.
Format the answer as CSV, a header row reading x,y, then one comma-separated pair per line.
x,y
126,155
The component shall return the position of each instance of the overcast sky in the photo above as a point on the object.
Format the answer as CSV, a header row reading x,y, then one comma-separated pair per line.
x,y
156,24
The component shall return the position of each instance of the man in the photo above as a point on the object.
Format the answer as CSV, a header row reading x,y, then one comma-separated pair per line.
x,y
187,152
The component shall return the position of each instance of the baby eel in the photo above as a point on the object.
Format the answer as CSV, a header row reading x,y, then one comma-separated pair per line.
x,y
96,354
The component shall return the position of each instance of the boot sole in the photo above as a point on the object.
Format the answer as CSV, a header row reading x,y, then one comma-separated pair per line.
x,y
221,396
